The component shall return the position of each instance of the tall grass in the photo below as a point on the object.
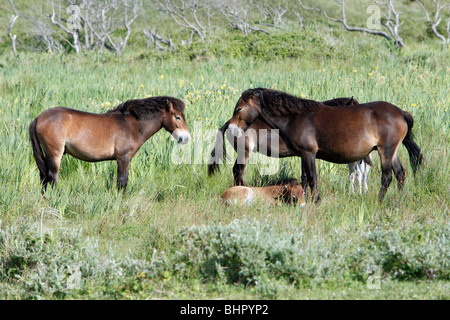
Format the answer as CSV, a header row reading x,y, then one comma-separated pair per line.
x,y
163,198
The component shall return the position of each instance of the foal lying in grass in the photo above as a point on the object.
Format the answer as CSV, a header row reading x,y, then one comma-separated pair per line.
x,y
289,192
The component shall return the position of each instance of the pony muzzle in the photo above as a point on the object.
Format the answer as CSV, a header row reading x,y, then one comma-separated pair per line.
x,y
235,131
181,136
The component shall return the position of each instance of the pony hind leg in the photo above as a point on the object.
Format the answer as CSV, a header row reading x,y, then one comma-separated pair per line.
x,y
386,178
53,164
389,161
399,172
54,150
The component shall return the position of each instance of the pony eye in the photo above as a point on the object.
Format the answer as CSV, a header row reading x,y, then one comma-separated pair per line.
x,y
239,109
177,118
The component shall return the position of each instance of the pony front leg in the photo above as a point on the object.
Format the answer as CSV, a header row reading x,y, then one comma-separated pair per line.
x,y
243,149
239,168
309,169
304,179
238,174
123,166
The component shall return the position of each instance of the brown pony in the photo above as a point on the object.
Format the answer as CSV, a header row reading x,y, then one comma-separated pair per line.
x,y
262,135
289,192
344,134
115,135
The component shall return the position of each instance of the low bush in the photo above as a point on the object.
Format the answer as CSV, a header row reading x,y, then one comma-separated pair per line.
x,y
64,265
247,252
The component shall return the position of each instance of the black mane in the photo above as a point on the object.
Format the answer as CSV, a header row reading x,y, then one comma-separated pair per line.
x,y
142,108
341,102
277,103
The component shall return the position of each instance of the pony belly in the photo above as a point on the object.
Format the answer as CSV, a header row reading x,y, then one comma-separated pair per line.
x,y
341,158
89,152
348,152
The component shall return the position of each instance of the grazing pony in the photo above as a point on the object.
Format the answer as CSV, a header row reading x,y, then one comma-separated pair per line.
x,y
289,192
259,134
342,134
115,135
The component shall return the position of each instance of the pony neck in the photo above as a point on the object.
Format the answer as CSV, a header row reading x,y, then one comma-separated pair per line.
x,y
149,127
279,123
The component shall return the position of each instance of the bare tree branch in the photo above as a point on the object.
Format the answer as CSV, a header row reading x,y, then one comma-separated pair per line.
x,y
12,21
436,21
237,14
13,37
299,17
72,32
272,11
120,44
185,13
392,25
152,36
44,33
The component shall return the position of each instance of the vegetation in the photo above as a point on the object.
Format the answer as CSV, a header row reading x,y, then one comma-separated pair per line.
x,y
169,236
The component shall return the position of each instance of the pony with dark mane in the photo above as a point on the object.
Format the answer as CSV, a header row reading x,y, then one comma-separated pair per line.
x,y
258,137
117,134
344,134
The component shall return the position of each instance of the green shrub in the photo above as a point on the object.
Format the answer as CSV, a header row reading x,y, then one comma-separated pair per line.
x,y
249,252
422,253
65,265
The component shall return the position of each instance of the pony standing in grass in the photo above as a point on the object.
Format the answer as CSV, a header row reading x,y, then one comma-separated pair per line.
x,y
258,138
115,135
345,134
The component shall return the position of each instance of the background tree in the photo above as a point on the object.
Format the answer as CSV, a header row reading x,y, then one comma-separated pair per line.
x,y
391,21
434,23
12,21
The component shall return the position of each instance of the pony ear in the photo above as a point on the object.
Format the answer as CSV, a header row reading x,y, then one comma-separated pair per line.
x,y
257,97
170,105
350,102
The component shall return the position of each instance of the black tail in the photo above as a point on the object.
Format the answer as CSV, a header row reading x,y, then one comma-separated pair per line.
x,y
37,151
415,154
219,151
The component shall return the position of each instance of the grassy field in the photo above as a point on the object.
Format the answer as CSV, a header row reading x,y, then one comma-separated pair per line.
x,y
169,236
